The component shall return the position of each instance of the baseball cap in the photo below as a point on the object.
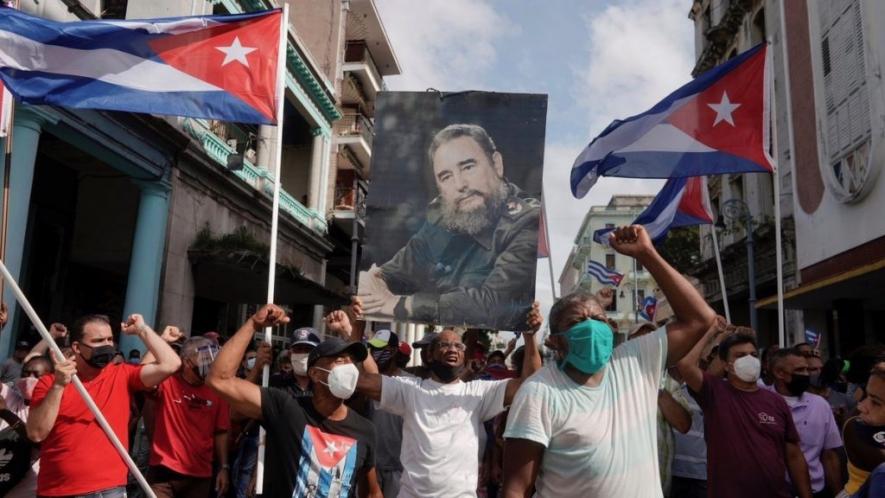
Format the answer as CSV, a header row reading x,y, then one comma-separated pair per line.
x,y
305,335
405,349
425,341
334,346
384,338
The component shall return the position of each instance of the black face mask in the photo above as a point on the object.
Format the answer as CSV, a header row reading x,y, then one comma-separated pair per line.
x,y
101,355
382,357
798,384
444,371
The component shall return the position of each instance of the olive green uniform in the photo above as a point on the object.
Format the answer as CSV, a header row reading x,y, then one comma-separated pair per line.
x,y
483,281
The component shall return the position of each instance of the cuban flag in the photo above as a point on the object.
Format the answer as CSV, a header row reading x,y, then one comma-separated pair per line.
x,y
214,67
812,338
682,202
605,275
326,465
648,308
717,123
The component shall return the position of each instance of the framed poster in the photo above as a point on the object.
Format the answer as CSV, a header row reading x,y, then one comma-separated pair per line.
x,y
453,208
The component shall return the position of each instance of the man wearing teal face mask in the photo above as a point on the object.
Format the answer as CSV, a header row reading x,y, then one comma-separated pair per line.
x,y
587,426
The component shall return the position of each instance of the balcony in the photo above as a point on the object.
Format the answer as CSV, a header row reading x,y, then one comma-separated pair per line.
x,y
355,132
350,203
358,61
259,179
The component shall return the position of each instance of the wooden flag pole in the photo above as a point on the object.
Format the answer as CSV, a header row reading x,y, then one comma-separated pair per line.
x,y
274,225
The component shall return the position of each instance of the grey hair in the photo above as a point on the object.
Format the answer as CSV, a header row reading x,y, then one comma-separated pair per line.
x,y
190,347
567,303
453,131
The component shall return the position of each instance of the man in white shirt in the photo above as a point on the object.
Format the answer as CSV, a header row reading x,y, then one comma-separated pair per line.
x,y
443,416
588,425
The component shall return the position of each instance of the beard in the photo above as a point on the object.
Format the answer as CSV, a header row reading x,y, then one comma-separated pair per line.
x,y
478,219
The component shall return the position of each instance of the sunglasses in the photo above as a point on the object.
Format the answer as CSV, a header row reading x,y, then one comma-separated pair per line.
x,y
31,373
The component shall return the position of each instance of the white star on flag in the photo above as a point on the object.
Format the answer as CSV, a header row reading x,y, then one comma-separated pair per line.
x,y
724,109
235,52
331,448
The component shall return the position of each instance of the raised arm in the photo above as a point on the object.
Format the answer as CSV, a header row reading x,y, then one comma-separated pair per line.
x,y
41,417
170,334
693,315
688,366
531,362
244,397
167,362
56,330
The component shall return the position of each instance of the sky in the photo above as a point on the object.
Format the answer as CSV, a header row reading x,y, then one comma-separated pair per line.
x,y
596,60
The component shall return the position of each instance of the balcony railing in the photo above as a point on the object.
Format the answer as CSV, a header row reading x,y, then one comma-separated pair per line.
x,y
358,52
347,198
354,124
260,179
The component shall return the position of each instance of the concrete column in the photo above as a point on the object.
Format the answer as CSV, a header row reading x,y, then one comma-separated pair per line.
x,y
267,136
25,140
146,262
316,171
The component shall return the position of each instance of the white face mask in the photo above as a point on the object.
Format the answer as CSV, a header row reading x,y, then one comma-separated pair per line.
x,y
299,363
747,368
342,380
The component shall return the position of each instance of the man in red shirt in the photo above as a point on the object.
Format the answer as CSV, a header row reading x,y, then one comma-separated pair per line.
x,y
76,457
192,423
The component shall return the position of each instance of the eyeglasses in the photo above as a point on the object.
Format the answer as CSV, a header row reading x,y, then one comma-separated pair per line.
x,y
457,346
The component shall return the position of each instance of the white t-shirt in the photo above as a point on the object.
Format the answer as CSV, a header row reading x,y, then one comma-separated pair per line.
x,y
599,441
442,424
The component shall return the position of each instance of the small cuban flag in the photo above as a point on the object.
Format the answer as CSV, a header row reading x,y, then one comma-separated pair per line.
x,y
605,275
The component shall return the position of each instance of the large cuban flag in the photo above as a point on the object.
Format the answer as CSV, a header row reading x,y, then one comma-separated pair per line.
x,y
214,67
717,123
682,202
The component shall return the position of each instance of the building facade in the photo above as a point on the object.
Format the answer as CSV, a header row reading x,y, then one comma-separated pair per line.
x,y
828,105
637,283
745,202
170,217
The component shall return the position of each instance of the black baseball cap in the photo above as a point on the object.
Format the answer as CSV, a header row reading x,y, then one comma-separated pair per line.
x,y
334,346
426,340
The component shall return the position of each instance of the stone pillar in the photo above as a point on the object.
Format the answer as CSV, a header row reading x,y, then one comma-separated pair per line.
x,y
25,140
146,261
267,136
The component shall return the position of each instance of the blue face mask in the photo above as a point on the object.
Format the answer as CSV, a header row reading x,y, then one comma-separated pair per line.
x,y
590,345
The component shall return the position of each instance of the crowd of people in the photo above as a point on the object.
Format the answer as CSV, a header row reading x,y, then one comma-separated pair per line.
x,y
689,409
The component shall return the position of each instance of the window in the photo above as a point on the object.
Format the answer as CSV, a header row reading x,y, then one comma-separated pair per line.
x,y
609,260
639,266
846,98
640,297
613,307
609,225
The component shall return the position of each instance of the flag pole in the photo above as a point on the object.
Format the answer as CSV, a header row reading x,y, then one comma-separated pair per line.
x,y
78,385
7,174
549,248
274,224
771,110
721,275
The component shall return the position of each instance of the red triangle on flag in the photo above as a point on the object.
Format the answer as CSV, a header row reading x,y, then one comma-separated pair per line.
x,y
329,448
729,115
238,57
